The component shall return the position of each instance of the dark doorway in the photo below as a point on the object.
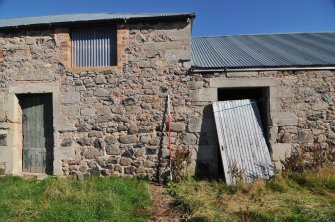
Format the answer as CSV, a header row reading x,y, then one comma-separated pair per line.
x,y
258,94
37,132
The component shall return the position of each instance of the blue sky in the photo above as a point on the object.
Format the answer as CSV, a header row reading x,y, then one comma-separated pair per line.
x,y
214,17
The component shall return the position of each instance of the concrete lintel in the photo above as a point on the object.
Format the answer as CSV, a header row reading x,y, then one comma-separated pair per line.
x,y
242,82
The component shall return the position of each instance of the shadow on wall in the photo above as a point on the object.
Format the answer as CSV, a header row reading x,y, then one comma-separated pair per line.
x,y
208,162
161,172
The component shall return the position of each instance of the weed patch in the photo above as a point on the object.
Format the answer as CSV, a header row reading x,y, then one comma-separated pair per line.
x,y
287,197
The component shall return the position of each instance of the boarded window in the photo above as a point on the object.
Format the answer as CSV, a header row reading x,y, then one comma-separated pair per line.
x,y
94,46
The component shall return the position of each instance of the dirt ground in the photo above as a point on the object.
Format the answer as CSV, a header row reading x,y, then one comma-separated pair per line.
x,y
162,205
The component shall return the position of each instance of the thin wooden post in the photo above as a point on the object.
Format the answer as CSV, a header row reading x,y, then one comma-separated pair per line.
x,y
169,134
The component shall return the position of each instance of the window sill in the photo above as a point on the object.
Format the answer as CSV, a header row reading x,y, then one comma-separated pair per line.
x,y
93,69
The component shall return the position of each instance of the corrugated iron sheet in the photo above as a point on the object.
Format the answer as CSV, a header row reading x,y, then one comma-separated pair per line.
x,y
243,148
94,47
86,17
268,50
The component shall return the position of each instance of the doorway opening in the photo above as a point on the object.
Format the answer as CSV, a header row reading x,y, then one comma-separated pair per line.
x,y
260,96
37,133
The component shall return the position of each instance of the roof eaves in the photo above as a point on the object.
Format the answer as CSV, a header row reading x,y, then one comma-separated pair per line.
x,y
195,68
120,19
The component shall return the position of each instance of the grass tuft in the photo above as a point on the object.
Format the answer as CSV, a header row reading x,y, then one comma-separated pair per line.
x,y
61,199
288,197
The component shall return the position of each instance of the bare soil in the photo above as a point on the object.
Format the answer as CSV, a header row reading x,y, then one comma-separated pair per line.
x,y
162,205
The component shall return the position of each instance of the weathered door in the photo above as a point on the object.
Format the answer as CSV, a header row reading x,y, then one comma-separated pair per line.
x,y
37,130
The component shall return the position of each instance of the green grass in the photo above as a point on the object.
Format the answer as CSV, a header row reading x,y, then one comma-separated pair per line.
x,y
61,199
293,197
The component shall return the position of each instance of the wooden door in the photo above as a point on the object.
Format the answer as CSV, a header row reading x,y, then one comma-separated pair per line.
x,y
37,130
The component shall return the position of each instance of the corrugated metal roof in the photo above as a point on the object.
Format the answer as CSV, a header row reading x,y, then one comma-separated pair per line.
x,y
264,51
86,17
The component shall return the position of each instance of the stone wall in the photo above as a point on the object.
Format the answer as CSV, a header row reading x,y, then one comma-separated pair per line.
x,y
300,105
107,120
111,121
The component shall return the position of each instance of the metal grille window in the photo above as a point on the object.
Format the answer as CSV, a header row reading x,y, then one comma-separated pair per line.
x,y
94,46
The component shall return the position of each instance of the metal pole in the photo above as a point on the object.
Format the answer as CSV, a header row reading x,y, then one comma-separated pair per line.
x,y
169,135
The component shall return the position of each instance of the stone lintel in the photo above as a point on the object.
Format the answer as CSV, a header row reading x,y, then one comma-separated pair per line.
x,y
239,82
242,74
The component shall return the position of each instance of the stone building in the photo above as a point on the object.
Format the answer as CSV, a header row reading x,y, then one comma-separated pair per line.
x,y
85,94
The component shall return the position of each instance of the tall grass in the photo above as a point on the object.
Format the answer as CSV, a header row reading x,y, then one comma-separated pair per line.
x,y
61,199
303,191
288,197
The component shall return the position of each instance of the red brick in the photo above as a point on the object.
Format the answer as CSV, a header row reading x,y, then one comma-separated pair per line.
x,y
2,55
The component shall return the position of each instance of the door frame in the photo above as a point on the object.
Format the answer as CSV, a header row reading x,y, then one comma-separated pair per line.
x,y
15,115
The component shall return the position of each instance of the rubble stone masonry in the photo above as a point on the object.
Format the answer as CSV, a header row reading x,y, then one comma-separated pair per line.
x,y
111,121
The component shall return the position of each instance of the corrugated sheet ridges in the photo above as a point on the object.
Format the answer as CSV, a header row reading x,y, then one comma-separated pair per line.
x,y
243,146
94,46
85,17
268,50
